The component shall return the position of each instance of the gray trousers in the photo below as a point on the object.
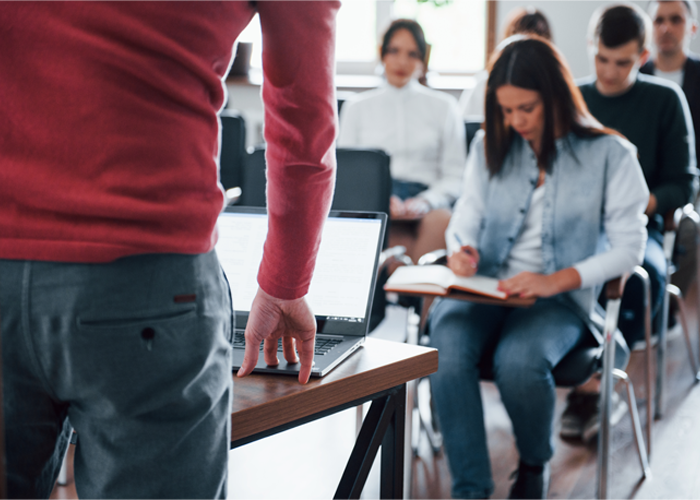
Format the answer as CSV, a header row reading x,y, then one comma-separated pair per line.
x,y
136,354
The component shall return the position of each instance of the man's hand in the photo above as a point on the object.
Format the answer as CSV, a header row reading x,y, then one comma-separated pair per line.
x,y
271,318
527,284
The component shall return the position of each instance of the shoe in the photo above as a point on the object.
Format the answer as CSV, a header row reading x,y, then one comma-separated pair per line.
x,y
580,407
530,481
592,425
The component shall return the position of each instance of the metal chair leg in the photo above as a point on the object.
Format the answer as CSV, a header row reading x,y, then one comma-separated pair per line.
x,y
62,479
636,426
644,276
661,349
606,388
675,293
691,215
424,420
359,417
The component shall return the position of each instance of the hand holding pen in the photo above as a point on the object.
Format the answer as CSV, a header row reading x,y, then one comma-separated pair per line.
x,y
464,262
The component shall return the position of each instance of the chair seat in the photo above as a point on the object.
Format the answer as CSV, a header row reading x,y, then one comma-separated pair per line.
x,y
578,366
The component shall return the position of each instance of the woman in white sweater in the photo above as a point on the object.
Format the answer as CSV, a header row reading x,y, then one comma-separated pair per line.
x,y
423,132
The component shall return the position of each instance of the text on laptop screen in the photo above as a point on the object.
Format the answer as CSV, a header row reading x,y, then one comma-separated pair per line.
x,y
342,279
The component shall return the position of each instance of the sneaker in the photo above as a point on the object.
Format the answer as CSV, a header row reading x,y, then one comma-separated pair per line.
x,y
592,425
530,481
580,407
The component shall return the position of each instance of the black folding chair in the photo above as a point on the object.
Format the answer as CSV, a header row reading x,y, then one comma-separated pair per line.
x,y
233,137
471,127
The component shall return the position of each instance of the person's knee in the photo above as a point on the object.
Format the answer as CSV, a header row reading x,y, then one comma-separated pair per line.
x,y
447,326
521,369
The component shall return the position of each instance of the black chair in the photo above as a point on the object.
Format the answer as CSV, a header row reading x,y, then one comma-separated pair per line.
x,y
233,137
363,180
363,183
673,250
595,355
252,179
343,96
471,127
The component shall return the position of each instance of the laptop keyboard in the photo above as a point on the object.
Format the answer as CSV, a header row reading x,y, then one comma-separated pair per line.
x,y
324,345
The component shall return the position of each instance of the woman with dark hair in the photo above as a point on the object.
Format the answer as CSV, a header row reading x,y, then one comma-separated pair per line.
x,y
553,206
521,21
421,129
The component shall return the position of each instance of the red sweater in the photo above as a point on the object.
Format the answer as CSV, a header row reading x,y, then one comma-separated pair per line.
x,y
109,129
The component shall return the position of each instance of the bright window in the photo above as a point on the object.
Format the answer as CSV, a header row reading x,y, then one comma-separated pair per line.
x,y
252,34
455,30
356,33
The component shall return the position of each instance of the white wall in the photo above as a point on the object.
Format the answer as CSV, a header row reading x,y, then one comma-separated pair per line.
x,y
569,22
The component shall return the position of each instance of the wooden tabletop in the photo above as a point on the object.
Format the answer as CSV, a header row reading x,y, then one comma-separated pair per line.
x,y
265,401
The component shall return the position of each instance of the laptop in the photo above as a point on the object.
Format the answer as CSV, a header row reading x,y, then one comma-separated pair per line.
x,y
341,289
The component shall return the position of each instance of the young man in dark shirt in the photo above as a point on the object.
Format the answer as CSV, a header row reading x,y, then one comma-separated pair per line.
x,y
675,24
653,114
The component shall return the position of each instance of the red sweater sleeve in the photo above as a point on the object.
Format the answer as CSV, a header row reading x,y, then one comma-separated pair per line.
x,y
300,130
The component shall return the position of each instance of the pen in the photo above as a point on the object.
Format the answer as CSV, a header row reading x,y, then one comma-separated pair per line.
x,y
461,244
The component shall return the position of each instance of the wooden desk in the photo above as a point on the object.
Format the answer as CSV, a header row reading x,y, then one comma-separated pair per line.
x,y
265,404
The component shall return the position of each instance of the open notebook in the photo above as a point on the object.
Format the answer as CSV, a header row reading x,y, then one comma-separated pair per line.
x,y
341,290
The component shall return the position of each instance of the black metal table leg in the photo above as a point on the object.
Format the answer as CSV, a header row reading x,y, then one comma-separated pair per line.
x,y
391,485
384,425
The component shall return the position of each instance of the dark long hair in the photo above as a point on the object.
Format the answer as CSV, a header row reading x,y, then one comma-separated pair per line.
x,y
527,20
533,63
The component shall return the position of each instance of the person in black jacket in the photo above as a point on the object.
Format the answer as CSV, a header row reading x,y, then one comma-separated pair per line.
x,y
652,114
675,24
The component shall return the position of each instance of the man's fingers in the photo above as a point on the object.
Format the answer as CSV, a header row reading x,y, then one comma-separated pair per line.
x,y
288,347
270,351
250,359
306,357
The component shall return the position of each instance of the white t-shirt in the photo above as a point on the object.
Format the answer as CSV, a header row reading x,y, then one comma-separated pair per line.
x,y
420,128
526,254
675,76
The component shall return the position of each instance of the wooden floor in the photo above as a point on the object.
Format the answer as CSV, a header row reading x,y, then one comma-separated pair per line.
x,y
306,462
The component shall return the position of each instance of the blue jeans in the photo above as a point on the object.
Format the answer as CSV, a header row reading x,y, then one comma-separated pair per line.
x,y
136,354
406,189
525,345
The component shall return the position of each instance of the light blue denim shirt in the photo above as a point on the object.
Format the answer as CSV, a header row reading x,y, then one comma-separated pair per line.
x,y
592,219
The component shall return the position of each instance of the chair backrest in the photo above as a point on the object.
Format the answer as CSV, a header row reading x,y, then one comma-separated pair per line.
x,y
233,137
253,181
363,180
471,127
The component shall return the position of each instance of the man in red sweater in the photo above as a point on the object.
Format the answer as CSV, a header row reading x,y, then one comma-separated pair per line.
x,y
115,312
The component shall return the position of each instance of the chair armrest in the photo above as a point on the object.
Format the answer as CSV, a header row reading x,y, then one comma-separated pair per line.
x,y
392,255
672,219
434,257
615,287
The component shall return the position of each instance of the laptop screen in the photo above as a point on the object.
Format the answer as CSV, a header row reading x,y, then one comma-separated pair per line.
x,y
342,285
